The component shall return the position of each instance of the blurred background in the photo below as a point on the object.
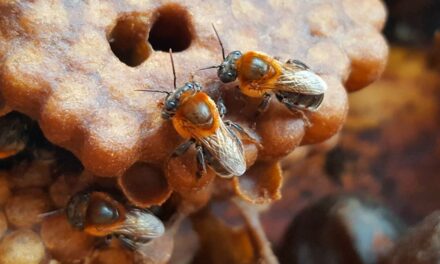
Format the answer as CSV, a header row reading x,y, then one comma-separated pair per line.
x,y
388,152
390,146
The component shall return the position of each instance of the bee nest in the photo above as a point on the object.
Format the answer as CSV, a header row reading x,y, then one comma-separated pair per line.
x,y
74,68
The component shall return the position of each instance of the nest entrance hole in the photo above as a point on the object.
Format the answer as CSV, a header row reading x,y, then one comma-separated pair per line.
x,y
128,39
172,29
135,36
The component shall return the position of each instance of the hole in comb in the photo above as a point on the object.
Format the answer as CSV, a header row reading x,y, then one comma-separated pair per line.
x,y
128,39
173,29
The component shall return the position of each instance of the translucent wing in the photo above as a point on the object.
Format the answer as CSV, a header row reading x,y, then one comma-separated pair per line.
x,y
142,224
298,78
226,150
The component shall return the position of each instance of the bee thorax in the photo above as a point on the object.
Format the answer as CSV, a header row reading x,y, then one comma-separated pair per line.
x,y
102,213
257,69
198,113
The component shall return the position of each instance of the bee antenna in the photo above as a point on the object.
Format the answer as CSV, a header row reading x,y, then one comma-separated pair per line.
x,y
50,213
209,67
174,70
192,76
219,41
153,91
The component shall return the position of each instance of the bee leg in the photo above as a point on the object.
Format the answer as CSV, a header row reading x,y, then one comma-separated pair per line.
x,y
242,131
294,109
182,148
264,104
305,118
104,242
221,107
262,107
298,63
201,163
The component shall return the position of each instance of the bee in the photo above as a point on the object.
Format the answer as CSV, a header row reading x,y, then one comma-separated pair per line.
x,y
98,214
259,75
14,134
199,120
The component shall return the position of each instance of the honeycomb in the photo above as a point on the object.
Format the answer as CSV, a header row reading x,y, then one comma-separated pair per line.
x,y
74,67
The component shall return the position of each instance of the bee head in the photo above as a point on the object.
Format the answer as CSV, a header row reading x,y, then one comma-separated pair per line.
x,y
173,100
76,209
227,72
170,107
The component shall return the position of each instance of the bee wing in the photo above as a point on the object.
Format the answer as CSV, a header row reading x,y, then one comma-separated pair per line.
x,y
297,78
140,223
226,149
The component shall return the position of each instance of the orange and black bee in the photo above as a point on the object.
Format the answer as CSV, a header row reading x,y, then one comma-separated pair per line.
x,y
98,214
197,118
260,75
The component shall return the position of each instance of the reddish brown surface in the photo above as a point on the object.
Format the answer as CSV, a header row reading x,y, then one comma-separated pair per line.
x,y
145,185
58,67
66,64
62,241
389,148
261,184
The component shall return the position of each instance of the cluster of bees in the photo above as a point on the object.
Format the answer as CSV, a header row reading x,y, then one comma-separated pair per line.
x,y
200,120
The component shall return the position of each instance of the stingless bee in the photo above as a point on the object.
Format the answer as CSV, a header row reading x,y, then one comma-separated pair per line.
x,y
98,214
14,134
198,119
260,75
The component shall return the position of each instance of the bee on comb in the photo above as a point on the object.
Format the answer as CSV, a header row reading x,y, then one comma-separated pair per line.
x,y
14,134
260,75
98,214
199,120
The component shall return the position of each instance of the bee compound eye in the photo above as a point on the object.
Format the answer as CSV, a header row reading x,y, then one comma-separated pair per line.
x,y
237,53
170,105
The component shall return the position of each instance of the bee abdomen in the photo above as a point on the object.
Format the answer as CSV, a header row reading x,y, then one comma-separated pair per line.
x,y
299,101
